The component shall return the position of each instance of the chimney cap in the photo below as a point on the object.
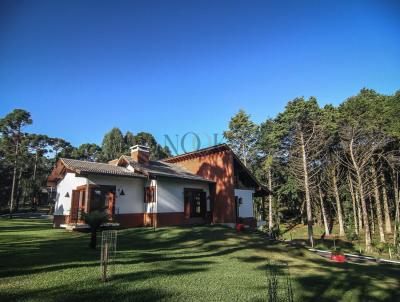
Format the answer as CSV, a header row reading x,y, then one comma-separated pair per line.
x,y
139,148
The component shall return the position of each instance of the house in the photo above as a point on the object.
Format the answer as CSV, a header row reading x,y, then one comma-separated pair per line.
x,y
210,185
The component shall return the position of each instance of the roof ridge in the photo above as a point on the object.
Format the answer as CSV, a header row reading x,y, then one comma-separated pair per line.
x,y
90,162
197,151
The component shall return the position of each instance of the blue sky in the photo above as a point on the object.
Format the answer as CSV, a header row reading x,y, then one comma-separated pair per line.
x,y
170,67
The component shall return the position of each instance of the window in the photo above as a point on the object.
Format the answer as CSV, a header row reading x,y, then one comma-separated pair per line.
x,y
149,194
195,203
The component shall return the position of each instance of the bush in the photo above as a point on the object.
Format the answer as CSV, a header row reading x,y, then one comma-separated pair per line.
x,y
351,234
337,251
94,219
274,233
381,247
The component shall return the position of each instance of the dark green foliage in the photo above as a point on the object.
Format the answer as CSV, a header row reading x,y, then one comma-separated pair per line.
x,y
89,152
242,136
28,158
381,247
337,251
94,219
156,150
113,145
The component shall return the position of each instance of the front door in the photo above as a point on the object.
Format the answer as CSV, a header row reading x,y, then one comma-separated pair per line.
x,y
195,205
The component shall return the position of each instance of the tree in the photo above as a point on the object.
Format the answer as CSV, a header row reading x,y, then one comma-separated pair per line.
x,y
11,129
242,136
300,133
38,145
156,151
129,139
89,152
362,138
267,147
113,144
94,219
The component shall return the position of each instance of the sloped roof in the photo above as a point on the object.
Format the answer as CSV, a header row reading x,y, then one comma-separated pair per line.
x,y
197,153
82,167
261,190
163,169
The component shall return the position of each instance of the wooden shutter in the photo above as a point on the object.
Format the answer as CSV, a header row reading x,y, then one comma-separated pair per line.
x,y
74,206
187,199
152,194
145,194
111,203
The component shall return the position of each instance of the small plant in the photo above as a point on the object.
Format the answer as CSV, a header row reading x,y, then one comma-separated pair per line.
x,y
381,247
94,219
337,251
351,235
274,233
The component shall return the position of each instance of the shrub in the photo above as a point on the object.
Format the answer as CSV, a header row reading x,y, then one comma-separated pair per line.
x,y
351,234
337,251
381,247
94,219
274,233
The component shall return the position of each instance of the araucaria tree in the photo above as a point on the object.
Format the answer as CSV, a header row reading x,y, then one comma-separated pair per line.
x,y
11,127
300,131
330,165
242,136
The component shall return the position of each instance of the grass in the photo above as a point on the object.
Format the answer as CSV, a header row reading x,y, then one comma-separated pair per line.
x,y
174,264
298,233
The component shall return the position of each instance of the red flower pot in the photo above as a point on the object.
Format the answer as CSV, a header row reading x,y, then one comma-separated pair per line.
x,y
338,258
239,227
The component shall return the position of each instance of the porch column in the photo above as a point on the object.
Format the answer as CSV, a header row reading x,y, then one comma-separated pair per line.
x,y
87,206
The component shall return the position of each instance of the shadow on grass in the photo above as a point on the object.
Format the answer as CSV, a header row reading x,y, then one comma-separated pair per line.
x,y
109,291
177,252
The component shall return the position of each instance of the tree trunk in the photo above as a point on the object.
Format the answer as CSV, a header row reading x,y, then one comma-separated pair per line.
x,y
34,181
270,216
397,203
360,187
388,223
321,199
93,238
353,199
17,190
244,156
307,191
371,208
359,211
14,178
377,202
338,205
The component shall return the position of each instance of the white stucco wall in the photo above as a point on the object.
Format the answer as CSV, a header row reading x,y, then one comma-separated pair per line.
x,y
67,184
132,201
170,194
246,208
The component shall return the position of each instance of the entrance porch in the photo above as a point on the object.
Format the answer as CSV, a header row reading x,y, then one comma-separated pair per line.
x,y
88,198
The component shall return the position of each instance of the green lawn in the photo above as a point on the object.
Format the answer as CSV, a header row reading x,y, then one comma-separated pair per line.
x,y
173,264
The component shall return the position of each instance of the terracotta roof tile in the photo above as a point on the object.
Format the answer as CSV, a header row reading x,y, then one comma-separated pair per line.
x,y
81,166
164,169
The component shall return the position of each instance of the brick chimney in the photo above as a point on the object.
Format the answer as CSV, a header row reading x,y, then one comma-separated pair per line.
x,y
140,154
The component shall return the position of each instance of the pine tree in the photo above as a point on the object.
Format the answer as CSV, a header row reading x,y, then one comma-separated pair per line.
x,y
242,137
